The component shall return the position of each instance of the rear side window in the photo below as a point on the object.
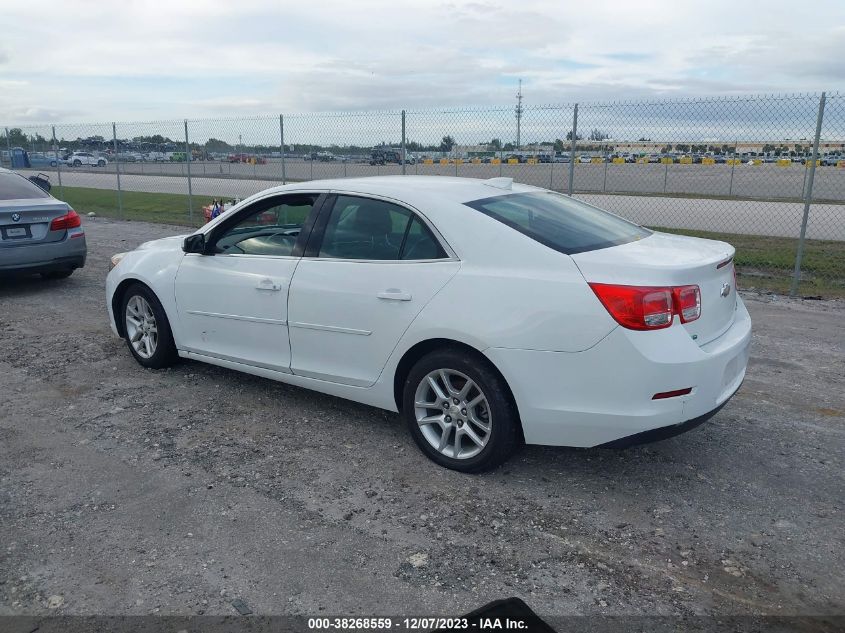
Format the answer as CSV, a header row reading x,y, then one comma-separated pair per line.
x,y
369,229
562,223
16,187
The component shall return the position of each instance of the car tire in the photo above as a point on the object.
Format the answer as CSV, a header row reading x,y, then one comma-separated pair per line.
x,y
146,328
58,274
476,427
101,163
77,163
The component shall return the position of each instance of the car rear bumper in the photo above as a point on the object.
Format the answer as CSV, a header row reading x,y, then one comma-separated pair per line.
x,y
605,394
66,254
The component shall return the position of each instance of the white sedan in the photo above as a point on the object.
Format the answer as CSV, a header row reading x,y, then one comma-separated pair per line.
x,y
489,313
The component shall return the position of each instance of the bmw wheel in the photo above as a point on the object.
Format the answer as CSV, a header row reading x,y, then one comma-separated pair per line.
x,y
460,412
147,329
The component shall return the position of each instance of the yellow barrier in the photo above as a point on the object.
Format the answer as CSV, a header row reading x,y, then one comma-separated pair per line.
x,y
685,160
428,161
476,161
642,161
733,161
496,161
708,161
595,160
809,162
784,162
618,161
756,161
444,161
666,161
513,161
531,161
459,161
841,163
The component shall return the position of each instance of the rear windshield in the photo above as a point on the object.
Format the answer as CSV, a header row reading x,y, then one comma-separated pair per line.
x,y
15,187
560,222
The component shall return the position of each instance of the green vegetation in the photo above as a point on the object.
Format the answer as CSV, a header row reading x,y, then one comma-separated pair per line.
x,y
165,208
763,263
766,263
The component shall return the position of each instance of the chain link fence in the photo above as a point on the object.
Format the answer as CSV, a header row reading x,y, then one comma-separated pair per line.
x,y
766,173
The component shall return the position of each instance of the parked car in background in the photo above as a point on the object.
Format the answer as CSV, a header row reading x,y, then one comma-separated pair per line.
x,y
41,159
242,157
487,312
38,233
78,159
380,156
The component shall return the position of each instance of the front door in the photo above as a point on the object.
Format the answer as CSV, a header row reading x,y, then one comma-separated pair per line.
x,y
232,301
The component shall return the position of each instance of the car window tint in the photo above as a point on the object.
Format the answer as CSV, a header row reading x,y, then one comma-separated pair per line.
x,y
560,222
420,243
271,229
16,187
363,228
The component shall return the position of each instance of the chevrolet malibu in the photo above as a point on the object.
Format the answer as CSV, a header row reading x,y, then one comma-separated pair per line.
x,y
488,313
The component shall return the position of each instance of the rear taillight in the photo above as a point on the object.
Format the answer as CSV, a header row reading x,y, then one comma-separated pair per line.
x,y
687,302
649,307
70,220
637,307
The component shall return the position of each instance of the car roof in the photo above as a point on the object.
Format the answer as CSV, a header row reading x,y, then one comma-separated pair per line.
x,y
411,188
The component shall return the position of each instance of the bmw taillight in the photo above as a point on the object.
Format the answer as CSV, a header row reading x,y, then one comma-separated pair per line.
x,y
70,220
649,307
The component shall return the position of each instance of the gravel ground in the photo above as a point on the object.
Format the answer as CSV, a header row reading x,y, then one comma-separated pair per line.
x,y
130,491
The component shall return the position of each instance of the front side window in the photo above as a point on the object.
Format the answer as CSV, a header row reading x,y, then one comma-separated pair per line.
x,y
270,227
364,228
562,223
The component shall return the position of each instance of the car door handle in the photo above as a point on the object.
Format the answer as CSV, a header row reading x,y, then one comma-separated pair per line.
x,y
394,294
268,284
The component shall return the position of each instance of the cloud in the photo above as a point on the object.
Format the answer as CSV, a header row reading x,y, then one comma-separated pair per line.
x,y
199,58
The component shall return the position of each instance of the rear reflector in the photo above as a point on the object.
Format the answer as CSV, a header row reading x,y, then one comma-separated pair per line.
x,y
70,220
671,394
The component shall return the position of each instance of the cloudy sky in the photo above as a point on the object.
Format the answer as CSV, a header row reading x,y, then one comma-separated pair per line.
x,y
72,60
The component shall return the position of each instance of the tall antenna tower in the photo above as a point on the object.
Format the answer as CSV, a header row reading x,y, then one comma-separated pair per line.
x,y
518,114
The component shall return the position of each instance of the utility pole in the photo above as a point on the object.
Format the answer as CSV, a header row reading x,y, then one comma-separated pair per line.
x,y
518,115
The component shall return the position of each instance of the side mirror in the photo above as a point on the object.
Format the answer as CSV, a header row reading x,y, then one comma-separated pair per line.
x,y
194,244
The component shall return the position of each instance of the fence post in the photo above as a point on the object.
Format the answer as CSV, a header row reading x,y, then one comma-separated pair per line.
x,y
572,150
9,146
282,147
606,161
403,142
808,197
117,171
58,162
188,165
733,165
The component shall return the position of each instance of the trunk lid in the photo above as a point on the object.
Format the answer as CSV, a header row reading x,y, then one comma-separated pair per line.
x,y
25,222
663,259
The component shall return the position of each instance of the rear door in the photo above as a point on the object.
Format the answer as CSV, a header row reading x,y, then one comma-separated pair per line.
x,y
26,212
375,265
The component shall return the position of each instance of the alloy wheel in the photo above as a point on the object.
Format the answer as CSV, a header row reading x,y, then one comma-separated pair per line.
x,y
453,413
141,326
